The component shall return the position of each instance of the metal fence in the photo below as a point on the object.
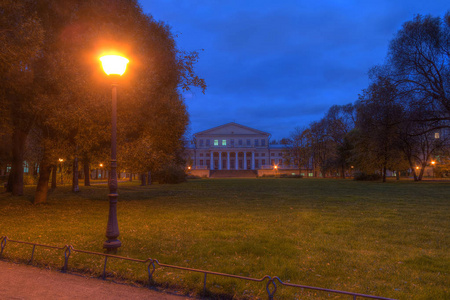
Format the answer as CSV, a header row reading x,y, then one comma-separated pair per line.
x,y
271,283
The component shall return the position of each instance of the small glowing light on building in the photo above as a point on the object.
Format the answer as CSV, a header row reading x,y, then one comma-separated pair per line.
x,y
61,160
433,162
101,165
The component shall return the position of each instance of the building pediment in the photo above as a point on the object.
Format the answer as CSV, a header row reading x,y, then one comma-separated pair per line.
x,y
231,129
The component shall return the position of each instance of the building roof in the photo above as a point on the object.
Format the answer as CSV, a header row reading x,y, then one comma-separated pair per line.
x,y
231,128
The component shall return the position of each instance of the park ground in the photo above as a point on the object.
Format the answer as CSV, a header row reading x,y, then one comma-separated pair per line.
x,y
390,239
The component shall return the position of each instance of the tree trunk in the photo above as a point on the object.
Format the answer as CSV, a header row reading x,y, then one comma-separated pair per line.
x,y
54,177
96,173
149,178
143,179
412,168
422,170
15,183
131,176
75,187
44,176
87,175
397,175
384,173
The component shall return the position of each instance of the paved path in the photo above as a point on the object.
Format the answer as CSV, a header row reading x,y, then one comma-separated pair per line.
x,y
19,281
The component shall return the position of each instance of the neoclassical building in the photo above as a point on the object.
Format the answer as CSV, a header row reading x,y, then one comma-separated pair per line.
x,y
234,146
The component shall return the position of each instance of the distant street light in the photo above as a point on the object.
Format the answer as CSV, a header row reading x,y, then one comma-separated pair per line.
x,y
433,163
114,66
101,171
60,162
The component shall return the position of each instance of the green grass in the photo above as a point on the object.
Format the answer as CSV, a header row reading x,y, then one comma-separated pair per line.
x,y
390,239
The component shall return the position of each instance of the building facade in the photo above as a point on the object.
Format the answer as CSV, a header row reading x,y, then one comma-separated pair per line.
x,y
234,146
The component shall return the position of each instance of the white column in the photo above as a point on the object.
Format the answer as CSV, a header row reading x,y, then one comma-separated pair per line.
x,y
228,160
211,163
236,162
220,160
245,160
253,160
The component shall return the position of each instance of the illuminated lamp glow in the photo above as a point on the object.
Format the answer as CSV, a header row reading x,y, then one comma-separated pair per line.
x,y
114,64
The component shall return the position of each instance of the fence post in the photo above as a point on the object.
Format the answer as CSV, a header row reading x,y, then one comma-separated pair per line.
x,y
3,244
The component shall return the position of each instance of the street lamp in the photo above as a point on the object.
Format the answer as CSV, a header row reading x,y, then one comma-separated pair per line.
x,y
61,161
433,163
114,66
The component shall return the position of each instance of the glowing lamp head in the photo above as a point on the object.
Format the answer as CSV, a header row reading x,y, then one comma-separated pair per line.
x,y
114,64
101,165
433,162
276,167
61,160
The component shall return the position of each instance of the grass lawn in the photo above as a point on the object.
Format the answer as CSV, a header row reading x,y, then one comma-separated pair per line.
x,y
390,240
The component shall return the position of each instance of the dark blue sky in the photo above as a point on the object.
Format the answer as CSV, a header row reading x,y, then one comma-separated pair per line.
x,y
278,64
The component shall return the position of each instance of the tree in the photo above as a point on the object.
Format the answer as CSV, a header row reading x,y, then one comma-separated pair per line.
x,y
321,146
379,116
419,59
299,147
419,144
71,94
340,120
21,37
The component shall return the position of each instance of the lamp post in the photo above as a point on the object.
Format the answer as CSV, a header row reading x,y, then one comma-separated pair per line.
x,y
101,171
61,161
114,66
433,163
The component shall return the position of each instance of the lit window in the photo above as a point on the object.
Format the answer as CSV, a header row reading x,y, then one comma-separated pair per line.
x,y
310,174
224,142
216,142
436,135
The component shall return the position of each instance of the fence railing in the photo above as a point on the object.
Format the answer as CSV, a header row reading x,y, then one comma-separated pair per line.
x,y
270,285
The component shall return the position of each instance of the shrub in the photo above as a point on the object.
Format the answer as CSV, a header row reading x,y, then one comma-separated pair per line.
x,y
290,176
361,176
170,174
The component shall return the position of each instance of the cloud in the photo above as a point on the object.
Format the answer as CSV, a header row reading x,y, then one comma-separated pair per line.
x,y
282,64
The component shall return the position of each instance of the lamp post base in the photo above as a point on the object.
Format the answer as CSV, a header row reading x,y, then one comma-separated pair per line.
x,y
112,245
